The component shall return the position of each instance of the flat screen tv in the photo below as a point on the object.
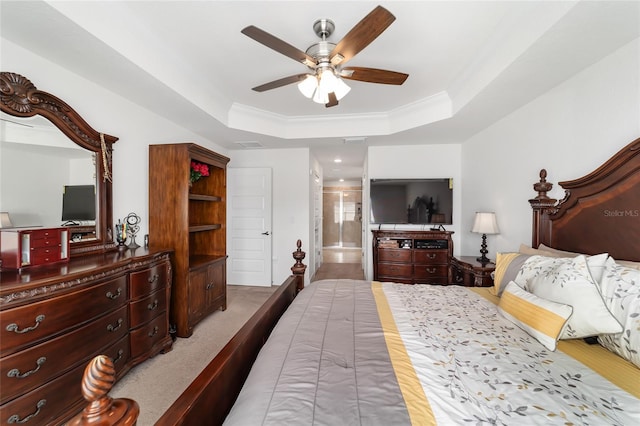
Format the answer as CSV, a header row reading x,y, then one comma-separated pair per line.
x,y
411,201
78,203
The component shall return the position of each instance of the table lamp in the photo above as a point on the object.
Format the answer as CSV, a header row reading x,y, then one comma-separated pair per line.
x,y
485,223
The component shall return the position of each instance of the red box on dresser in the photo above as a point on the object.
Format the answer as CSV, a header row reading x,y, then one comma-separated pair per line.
x,y
24,247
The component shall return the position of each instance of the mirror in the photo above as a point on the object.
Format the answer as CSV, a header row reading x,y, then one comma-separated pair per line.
x,y
78,160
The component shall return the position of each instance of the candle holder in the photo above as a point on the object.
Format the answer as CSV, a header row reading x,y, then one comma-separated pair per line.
x,y
132,220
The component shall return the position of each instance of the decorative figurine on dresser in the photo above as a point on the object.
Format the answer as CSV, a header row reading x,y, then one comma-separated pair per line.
x,y
66,293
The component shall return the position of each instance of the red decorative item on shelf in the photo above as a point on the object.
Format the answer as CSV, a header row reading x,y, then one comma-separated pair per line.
x,y
198,170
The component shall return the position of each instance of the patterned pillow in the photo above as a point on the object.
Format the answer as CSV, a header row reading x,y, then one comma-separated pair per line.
x,y
507,267
620,288
569,281
542,319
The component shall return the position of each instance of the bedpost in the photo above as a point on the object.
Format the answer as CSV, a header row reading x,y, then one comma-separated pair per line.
x,y
299,268
541,231
98,379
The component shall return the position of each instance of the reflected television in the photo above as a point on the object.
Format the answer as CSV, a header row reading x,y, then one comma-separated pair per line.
x,y
79,203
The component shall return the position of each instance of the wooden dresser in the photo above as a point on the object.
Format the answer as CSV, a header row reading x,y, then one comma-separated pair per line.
x,y
412,257
55,318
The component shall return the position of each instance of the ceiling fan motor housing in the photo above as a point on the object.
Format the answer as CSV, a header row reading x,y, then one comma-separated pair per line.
x,y
323,28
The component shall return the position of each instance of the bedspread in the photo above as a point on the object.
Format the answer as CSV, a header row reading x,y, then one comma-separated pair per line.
x,y
352,352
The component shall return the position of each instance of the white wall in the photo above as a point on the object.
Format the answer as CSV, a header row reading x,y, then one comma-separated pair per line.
x,y
570,131
413,161
107,112
291,207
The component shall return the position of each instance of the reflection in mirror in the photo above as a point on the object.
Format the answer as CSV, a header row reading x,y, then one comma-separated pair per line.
x,y
37,162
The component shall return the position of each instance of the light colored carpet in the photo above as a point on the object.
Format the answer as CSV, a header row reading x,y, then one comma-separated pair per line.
x,y
158,382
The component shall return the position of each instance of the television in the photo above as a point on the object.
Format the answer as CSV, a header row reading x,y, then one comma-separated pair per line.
x,y
78,203
411,201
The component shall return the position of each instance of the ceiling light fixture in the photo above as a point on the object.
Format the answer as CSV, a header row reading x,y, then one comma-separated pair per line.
x,y
325,81
337,160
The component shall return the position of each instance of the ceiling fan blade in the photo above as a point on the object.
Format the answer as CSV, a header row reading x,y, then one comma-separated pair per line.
x,y
333,100
373,75
278,45
279,83
365,31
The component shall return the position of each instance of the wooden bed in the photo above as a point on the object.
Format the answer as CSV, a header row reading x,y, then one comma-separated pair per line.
x,y
599,213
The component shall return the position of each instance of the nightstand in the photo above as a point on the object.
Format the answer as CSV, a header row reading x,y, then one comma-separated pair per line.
x,y
469,272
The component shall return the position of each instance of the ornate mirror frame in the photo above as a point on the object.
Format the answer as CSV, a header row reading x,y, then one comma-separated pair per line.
x,y
20,98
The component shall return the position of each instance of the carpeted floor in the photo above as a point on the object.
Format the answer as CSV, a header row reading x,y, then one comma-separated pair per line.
x,y
156,383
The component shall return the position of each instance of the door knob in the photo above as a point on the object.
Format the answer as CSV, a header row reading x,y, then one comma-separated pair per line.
x,y
265,233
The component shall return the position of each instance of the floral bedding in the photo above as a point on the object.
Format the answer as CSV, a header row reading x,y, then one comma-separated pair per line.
x,y
360,352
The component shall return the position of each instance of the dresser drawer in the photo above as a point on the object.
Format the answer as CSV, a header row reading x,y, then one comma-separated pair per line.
x,y
44,404
430,271
145,337
430,256
147,308
394,255
26,325
30,368
394,270
148,280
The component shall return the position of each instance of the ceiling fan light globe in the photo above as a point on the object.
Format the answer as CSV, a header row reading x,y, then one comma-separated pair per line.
x,y
308,86
320,96
341,88
328,81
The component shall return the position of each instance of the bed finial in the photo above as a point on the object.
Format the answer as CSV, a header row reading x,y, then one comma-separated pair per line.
x,y
299,268
99,377
543,186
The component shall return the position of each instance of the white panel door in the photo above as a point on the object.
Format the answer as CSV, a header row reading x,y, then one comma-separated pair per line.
x,y
249,221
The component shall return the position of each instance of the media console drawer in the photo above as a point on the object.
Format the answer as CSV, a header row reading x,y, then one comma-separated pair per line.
x,y
413,257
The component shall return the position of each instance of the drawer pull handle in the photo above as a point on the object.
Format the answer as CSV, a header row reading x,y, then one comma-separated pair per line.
x,y
119,357
431,270
14,372
16,418
154,332
113,296
14,327
153,278
112,327
152,306
431,255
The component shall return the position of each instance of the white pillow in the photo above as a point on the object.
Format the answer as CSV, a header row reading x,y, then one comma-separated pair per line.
x,y
542,319
569,281
620,287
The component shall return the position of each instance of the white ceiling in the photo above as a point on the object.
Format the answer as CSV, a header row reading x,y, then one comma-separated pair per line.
x,y
469,64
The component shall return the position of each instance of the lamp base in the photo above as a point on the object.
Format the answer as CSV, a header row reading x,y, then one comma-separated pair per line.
x,y
483,251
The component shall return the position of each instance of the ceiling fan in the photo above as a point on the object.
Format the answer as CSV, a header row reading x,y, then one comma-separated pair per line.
x,y
325,60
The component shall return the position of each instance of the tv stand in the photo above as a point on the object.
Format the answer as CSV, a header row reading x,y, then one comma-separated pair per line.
x,y
413,257
71,223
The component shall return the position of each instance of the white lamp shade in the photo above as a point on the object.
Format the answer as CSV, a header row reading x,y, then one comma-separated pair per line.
x,y
485,223
308,86
5,220
341,88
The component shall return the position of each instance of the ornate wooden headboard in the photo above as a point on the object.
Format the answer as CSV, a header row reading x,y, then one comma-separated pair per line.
x,y
599,213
